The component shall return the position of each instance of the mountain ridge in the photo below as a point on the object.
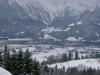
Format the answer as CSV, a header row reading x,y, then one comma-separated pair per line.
x,y
66,18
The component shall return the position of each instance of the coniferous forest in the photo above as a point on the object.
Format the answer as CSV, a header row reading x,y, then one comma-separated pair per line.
x,y
21,63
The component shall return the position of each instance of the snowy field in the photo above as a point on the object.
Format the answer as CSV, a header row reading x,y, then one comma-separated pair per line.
x,y
80,64
42,51
44,55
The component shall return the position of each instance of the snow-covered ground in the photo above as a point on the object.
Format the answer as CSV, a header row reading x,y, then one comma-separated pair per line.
x,y
42,51
4,72
20,39
74,39
42,56
80,64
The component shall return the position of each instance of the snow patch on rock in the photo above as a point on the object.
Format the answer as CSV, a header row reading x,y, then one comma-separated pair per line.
x,y
74,39
79,23
47,37
71,25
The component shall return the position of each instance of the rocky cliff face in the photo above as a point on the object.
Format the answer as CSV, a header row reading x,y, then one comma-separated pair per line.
x,y
47,10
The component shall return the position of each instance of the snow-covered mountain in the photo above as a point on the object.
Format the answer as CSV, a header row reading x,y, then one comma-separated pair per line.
x,y
59,19
47,10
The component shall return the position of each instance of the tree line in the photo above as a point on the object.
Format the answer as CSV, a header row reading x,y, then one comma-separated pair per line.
x,y
70,71
61,58
19,63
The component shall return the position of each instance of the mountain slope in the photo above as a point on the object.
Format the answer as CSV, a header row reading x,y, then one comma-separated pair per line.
x,y
13,19
48,9
68,18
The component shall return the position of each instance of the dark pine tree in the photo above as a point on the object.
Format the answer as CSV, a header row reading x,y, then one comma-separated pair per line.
x,y
20,62
76,55
1,59
14,63
6,57
28,63
64,57
5,53
70,56
36,69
